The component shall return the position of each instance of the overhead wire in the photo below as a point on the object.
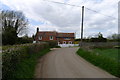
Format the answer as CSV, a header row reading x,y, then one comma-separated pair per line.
x,y
100,13
62,3
81,6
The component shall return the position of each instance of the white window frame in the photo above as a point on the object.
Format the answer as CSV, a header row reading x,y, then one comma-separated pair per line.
x,y
64,42
51,37
67,38
40,37
70,42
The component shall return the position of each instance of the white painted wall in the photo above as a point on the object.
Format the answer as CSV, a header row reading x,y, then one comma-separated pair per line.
x,y
68,45
34,41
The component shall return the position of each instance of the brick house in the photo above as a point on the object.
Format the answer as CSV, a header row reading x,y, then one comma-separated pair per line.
x,y
61,38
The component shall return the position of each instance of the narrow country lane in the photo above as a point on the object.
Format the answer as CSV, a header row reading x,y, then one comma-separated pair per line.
x,y
65,63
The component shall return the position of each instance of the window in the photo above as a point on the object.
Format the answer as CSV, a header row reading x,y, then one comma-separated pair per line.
x,y
67,38
40,38
70,42
51,37
64,42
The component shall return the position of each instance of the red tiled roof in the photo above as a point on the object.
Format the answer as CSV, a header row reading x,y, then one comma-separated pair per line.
x,y
48,33
54,33
65,35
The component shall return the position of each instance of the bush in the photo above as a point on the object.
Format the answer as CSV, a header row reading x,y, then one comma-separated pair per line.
x,y
101,47
26,68
57,47
24,40
98,40
52,43
118,47
13,56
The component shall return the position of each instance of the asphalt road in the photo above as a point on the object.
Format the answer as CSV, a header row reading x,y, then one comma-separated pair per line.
x,y
65,63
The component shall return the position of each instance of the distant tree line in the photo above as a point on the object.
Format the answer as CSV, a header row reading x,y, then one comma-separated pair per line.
x,y
13,24
114,37
99,38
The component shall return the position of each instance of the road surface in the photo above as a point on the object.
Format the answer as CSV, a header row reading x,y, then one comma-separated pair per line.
x,y
65,63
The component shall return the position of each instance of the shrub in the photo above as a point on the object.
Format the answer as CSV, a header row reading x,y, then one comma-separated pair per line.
x,y
52,43
15,55
102,47
57,47
26,68
98,40
24,40
118,47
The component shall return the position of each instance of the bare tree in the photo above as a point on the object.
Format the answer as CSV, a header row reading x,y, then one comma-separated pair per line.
x,y
13,23
13,19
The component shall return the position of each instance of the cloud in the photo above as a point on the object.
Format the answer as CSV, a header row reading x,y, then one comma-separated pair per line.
x,y
65,18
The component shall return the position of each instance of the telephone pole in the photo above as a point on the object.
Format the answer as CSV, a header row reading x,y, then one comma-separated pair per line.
x,y
82,24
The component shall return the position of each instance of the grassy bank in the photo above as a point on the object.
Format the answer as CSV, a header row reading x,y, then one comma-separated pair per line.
x,y
109,64
26,68
110,53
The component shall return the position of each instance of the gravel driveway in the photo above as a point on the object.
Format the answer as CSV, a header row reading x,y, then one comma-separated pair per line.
x,y
65,63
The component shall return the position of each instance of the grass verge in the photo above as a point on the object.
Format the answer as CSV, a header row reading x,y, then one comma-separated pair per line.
x,y
108,64
26,68
110,53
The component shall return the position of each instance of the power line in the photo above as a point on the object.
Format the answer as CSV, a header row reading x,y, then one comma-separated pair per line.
x,y
81,6
100,13
63,3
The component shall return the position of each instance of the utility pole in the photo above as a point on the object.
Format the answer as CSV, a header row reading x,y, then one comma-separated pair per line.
x,y
82,24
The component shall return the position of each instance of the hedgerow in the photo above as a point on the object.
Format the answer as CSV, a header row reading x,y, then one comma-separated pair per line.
x,y
52,43
13,56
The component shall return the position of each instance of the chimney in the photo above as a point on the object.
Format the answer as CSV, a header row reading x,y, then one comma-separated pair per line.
x,y
37,29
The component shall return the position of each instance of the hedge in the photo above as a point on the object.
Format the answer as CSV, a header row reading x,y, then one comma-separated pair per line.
x,y
11,57
52,43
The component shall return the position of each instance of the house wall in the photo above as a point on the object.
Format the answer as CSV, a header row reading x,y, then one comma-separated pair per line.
x,y
46,38
60,40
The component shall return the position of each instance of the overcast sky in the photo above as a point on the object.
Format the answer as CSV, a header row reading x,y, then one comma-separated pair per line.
x,y
49,16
